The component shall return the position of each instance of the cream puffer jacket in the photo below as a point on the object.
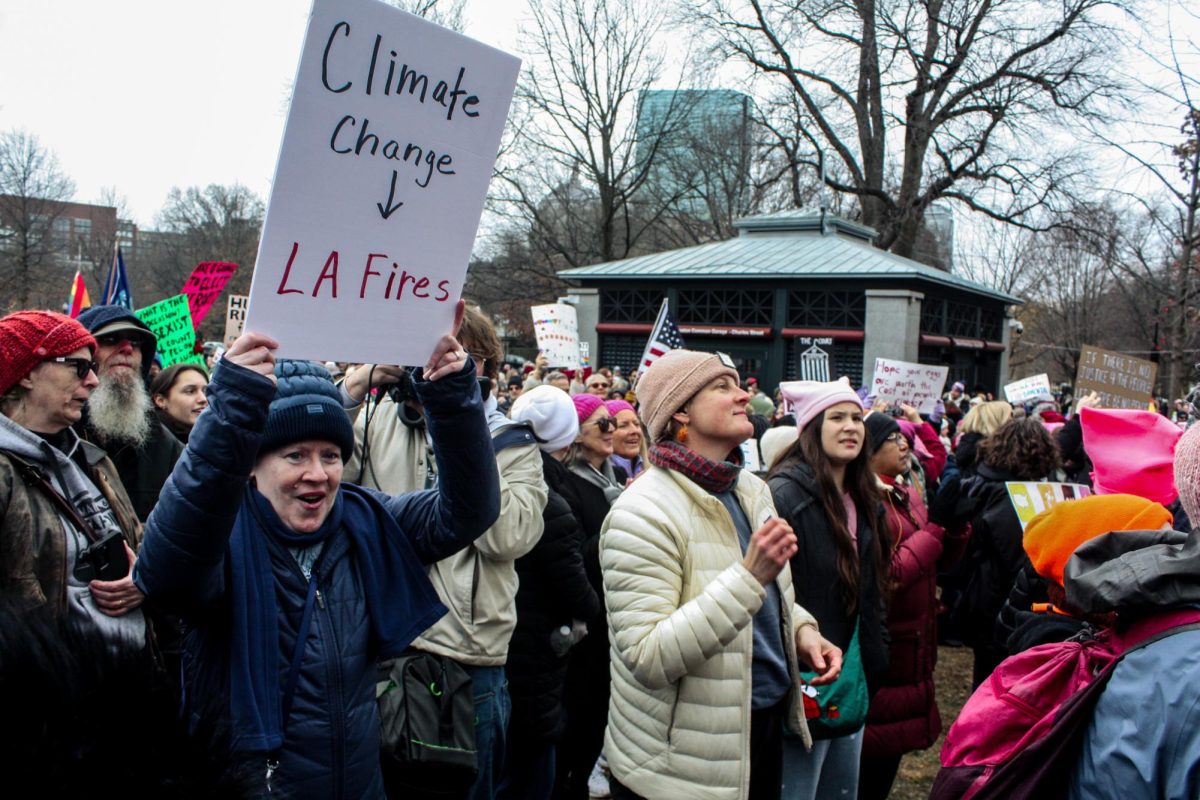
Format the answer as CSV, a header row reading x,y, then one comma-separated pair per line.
x,y
680,608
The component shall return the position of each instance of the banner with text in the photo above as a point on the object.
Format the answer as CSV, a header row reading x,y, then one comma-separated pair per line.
x,y
917,385
556,327
1030,499
235,317
1036,387
204,285
171,321
1121,381
388,149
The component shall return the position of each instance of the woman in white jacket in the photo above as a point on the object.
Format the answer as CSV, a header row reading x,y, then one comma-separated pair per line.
x,y
703,625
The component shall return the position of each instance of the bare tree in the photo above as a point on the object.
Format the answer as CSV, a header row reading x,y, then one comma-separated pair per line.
x,y
447,14
912,102
216,223
579,158
33,190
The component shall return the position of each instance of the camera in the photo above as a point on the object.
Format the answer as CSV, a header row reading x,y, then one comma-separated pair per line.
x,y
403,390
103,560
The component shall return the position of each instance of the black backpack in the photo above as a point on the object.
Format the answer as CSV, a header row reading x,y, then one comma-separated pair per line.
x,y
427,727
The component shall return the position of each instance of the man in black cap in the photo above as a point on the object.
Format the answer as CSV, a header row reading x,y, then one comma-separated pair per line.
x,y
119,416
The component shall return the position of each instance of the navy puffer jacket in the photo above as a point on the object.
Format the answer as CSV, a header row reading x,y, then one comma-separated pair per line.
x,y
331,742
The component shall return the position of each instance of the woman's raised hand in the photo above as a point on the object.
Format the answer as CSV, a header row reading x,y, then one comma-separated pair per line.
x,y
769,550
254,351
448,355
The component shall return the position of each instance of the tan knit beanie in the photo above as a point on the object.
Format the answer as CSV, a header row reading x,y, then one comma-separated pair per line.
x,y
672,381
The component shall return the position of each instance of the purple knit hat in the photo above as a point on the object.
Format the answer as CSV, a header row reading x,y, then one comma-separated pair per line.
x,y
586,405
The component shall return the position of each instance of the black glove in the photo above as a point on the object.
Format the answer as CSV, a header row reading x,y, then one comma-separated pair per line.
x,y
951,507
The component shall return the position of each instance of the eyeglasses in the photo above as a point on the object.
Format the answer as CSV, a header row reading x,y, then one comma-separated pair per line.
x,y
82,365
599,385
606,424
115,339
895,436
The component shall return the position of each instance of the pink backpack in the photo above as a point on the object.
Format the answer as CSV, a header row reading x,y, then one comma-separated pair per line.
x,y
1018,735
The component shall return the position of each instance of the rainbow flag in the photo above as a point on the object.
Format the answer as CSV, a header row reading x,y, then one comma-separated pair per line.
x,y
79,299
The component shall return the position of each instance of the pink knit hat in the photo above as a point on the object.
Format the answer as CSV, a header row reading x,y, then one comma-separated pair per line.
x,y
1132,451
1187,472
586,405
807,399
617,406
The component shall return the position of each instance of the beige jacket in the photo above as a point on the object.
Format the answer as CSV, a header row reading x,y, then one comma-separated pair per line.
x,y
479,583
680,607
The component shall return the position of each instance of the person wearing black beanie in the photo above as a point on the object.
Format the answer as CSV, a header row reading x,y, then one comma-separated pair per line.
x,y
293,583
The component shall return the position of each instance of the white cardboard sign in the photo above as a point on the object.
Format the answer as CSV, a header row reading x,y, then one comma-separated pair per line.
x,y
1031,388
556,327
917,385
390,141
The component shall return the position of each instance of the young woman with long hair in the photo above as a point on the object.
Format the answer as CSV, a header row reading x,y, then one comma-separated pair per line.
x,y
823,486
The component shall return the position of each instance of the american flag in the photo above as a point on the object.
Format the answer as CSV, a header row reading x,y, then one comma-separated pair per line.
x,y
664,338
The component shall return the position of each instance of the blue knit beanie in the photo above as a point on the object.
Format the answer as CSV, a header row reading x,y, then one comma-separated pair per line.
x,y
306,406
100,320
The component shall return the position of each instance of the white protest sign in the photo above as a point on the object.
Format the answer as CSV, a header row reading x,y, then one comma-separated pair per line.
x,y
235,318
1032,388
917,385
387,153
556,327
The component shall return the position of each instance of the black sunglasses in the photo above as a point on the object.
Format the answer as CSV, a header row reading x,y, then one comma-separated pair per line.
x,y
606,424
82,365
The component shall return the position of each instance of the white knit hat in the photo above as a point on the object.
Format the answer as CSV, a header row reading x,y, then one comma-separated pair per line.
x,y
551,413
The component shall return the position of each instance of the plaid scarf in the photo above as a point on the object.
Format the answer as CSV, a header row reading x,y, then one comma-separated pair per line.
x,y
711,476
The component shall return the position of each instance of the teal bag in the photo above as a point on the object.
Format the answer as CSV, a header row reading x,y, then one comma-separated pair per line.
x,y
838,708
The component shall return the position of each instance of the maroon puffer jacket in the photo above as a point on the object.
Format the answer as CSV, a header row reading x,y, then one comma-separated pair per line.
x,y
903,715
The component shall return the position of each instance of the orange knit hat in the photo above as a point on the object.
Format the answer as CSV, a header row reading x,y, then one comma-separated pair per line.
x,y
1052,536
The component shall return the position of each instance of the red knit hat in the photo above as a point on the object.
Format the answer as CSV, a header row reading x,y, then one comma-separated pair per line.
x,y
28,338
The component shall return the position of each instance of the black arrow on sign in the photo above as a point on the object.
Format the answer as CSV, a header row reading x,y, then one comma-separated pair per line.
x,y
385,211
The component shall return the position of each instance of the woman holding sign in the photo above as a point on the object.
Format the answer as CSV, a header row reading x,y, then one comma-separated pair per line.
x,y
823,486
293,583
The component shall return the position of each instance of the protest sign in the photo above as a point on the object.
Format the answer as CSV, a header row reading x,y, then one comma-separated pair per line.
x,y
387,152
1036,387
203,285
235,317
557,330
1121,381
1031,498
171,322
917,385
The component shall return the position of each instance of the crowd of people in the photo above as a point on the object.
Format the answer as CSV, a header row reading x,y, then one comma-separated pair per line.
x,y
245,550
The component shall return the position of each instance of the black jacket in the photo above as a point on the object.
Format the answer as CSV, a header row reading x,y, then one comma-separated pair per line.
x,y
144,469
1019,627
814,570
994,556
554,590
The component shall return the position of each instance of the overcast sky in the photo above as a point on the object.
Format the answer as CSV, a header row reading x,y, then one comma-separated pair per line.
x,y
144,95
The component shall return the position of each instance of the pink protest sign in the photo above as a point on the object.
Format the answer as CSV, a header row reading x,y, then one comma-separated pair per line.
x,y
204,285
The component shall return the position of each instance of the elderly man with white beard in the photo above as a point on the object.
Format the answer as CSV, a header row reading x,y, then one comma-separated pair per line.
x,y
119,416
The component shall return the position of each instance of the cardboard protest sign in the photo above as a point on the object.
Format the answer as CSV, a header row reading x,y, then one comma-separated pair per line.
x,y
917,385
1121,381
203,285
171,322
1031,498
1033,388
391,136
556,327
235,317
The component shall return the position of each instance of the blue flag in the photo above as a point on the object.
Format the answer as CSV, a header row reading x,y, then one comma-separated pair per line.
x,y
116,286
